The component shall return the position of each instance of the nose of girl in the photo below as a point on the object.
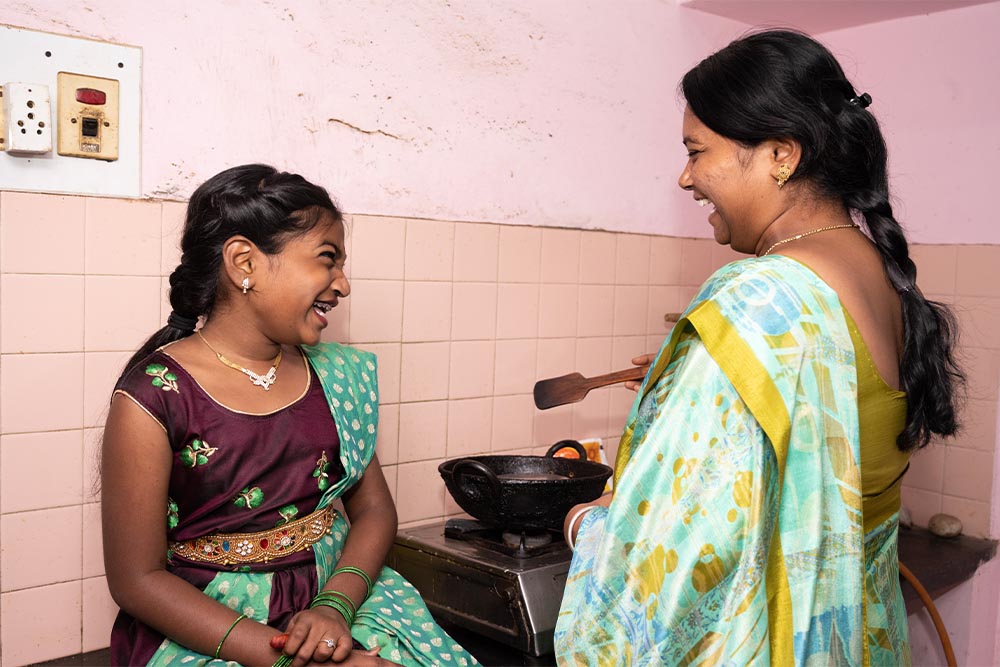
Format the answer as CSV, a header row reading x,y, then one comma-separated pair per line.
x,y
341,285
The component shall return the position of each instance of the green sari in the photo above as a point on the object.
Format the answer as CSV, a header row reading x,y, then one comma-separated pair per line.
x,y
394,616
736,531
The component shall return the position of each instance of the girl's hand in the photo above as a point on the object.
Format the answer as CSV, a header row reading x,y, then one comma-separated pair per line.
x,y
309,631
642,360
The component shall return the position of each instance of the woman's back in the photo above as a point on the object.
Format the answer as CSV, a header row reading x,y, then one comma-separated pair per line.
x,y
848,262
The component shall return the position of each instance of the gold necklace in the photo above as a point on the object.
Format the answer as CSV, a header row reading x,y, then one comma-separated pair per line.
x,y
805,234
265,381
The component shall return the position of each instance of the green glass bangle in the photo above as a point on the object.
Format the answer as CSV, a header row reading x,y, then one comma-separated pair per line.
x,y
283,661
358,571
218,649
326,595
338,605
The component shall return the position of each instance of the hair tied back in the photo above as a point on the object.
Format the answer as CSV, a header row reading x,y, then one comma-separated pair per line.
x,y
861,101
181,323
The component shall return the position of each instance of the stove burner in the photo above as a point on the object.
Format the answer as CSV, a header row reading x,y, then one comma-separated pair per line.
x,y
525,544
526,540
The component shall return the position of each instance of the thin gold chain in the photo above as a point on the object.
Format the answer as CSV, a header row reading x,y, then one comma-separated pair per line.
x,y
274,364
805,234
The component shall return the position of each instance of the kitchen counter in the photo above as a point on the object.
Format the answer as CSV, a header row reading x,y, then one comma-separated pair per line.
x,y
939,563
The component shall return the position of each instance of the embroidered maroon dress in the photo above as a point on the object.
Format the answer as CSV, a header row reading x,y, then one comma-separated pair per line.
x,y
233,472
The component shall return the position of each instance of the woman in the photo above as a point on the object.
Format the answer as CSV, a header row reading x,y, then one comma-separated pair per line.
x,y
757,483
225,448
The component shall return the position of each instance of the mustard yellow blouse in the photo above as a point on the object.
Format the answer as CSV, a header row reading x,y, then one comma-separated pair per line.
x,y
881,418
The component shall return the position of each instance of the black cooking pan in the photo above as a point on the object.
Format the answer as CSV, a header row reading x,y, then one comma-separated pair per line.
x,y
524,492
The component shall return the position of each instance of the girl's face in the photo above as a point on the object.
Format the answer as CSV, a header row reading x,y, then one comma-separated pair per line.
x,y
730,179
302,283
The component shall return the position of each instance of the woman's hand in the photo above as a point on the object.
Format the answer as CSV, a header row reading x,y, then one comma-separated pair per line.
x,y
641,360
309,631
577,513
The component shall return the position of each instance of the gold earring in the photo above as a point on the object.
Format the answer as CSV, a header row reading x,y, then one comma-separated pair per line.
x,y
245,284
784,173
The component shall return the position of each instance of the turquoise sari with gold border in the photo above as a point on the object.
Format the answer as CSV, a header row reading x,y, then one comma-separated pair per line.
x,y
735,535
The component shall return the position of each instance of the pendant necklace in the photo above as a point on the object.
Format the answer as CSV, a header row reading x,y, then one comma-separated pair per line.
x,y
265,381
805,234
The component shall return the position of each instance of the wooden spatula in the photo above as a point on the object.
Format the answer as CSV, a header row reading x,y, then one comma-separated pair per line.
x,y
574,387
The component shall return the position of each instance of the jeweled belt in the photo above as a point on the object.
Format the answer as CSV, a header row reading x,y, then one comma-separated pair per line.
x,y
233,548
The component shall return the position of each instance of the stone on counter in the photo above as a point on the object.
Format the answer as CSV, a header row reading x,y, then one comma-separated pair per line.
x,y
945,525
905,518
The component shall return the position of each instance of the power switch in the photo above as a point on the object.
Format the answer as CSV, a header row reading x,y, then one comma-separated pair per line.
x,y
88,116
91,127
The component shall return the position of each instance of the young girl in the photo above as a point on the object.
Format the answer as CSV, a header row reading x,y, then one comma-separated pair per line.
x,y
224,449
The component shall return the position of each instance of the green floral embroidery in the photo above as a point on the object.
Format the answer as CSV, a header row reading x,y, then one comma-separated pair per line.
x,y
197,453
250,498
173,515
162,377
288,512
323,477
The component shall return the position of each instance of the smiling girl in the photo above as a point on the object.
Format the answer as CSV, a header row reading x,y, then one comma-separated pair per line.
x,y
223,452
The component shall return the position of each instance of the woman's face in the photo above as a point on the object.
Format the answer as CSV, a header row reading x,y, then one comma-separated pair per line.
x,y
730,180
303,282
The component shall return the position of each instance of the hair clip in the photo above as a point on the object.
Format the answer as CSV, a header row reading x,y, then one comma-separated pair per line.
x,y
861,101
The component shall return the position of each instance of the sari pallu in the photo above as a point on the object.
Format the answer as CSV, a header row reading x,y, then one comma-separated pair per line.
x,y
394,616
735,535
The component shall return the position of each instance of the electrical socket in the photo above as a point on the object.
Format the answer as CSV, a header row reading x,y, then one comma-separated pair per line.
x,y
28,111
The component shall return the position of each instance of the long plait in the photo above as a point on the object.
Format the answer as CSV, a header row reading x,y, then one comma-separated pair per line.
x,y
929,373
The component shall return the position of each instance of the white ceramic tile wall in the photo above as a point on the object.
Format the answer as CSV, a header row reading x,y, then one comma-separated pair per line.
x,y
464,318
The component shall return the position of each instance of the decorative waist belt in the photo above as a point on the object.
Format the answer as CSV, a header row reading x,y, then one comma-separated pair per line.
x,y
232,548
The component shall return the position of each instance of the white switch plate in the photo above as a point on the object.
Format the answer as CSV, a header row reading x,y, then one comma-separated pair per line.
x,y
37,57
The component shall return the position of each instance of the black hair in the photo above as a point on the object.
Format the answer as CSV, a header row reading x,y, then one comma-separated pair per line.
x,y
257,201
783,84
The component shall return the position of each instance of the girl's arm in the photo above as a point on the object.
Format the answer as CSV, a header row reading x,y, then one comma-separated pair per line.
x,y
135,474
372,515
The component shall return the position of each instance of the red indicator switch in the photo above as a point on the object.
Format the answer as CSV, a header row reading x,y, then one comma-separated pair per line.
x,y
91,96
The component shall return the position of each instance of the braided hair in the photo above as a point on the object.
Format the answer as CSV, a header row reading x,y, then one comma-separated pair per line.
x,y
257,201
784,84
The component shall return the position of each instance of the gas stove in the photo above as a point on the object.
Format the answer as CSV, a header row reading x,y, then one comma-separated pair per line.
x,y
501,586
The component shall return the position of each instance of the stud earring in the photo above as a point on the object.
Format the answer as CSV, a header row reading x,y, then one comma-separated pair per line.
x,y
245,284
784,173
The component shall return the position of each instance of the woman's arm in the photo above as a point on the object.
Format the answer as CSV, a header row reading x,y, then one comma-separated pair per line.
x,y
576,514
372,515
135,473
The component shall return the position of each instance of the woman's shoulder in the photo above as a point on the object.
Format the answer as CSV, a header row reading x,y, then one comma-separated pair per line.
x,y
763,277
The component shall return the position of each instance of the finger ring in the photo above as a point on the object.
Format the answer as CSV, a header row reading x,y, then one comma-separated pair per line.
x,y
329,642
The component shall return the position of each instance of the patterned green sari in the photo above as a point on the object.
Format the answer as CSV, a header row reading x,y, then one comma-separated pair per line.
x,y
736,535
394,617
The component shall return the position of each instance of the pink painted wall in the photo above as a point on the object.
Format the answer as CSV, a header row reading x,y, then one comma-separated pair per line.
x,y
938,97
529,113
523,113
